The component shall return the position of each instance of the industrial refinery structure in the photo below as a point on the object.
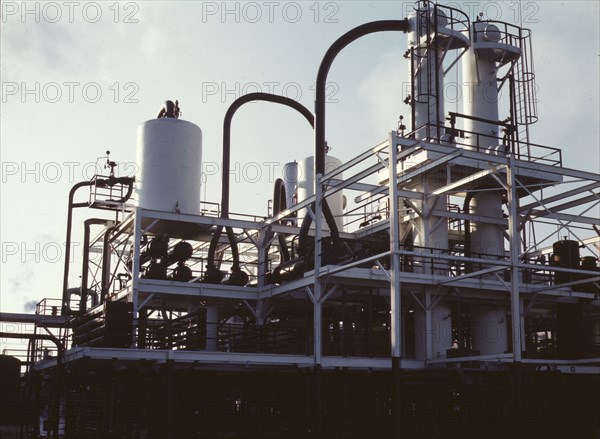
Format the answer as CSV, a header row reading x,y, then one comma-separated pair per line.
x,y
417,290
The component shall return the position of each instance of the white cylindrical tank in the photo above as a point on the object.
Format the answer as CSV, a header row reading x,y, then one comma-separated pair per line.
x,y
441,336
169,154
481,90
438,337
428,84
427,78
490,334
487,240
306,188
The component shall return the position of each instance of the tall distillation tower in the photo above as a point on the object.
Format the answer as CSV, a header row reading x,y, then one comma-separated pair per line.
x,y
435,32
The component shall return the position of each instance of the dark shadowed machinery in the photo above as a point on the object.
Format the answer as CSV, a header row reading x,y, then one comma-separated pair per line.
x,y
441,284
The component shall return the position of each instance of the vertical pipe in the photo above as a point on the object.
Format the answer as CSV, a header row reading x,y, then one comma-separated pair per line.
x,y
106,264
412,88
86,260
317,309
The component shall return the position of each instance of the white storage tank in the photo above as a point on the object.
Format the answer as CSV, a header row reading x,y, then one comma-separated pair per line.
x,y
169,154
439,338
306,188
490,331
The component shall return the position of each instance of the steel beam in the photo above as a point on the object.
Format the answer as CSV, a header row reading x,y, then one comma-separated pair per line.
x,y
558,197
412,174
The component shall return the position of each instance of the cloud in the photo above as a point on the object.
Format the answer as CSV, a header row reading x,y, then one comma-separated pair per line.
x,y
34,46
30,305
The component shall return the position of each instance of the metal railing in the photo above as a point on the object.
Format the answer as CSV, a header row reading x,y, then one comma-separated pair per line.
x,y
486,143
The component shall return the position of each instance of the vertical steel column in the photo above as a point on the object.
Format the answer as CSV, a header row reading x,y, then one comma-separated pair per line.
x,y
262,256
395,301
428,326
135,271
513,232
522,307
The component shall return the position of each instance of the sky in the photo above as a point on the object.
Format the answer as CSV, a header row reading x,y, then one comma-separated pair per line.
x,y
77,78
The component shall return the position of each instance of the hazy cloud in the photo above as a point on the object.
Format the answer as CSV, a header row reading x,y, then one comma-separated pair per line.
x,y
30,305
33,46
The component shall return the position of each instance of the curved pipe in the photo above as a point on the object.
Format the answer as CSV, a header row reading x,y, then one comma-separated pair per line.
x,y
213,247
167,110
303,234
304,228
65,297
330,55
279,204
49,337
332,52
129,182
267,97
225,182
111,181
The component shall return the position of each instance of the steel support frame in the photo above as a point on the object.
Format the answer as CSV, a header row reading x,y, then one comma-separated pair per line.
x,y
398,148
514,243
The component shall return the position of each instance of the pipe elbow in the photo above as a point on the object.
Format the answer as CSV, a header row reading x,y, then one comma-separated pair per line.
x,y
169,109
